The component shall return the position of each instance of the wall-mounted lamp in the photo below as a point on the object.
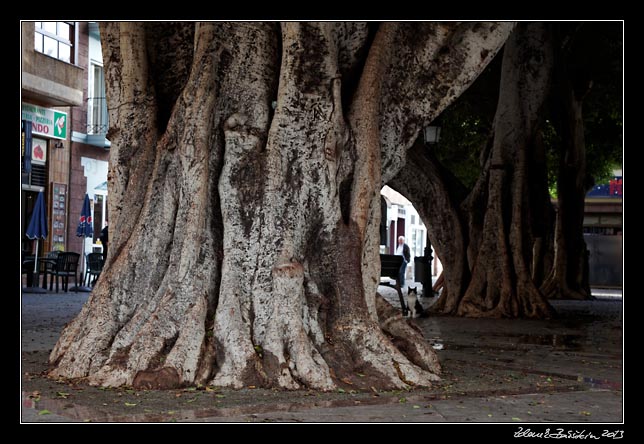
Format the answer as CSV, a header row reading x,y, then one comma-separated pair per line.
x,y
59,144
432,134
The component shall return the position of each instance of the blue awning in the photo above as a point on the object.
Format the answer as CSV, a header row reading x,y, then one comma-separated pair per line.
x,y
98,140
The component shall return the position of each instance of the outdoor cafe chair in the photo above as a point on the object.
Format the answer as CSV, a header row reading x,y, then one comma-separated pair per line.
x,y
49,264
66,266
94,267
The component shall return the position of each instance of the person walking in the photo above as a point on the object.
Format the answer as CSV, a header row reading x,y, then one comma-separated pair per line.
x,y
403,250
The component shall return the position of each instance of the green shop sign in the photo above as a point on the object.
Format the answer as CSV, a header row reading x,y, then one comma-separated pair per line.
x,y
45,121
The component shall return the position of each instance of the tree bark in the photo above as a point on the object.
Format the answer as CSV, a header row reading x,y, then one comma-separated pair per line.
x,y
245,238
569,274
149,310
501,284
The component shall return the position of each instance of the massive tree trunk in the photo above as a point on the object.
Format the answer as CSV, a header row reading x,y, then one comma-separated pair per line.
x,y
245,237
501,284
569,276
493,242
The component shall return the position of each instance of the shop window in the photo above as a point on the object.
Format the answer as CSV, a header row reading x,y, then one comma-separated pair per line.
x,y
37,176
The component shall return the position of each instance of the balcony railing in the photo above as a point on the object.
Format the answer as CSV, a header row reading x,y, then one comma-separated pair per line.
x,y
97,120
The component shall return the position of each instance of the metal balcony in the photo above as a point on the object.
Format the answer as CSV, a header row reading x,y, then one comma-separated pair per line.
x,y
97,121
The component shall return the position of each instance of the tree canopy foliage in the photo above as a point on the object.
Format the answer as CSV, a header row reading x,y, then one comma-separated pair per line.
x,y
595,51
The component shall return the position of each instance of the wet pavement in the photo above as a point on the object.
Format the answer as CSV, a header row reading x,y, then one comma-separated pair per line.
x,y
568,369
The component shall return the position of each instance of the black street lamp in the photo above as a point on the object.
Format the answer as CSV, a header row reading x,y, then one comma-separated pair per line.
x,y
427,284
432,135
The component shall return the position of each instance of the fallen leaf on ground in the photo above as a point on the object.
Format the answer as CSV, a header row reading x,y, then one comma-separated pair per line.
x,y
346,381
585,413
44,412
514,418
130,404
62,395
416,407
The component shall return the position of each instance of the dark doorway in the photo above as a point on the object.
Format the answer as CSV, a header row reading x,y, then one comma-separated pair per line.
x,y
396,229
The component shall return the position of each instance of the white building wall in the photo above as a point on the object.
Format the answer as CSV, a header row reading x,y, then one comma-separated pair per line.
x,y
415,229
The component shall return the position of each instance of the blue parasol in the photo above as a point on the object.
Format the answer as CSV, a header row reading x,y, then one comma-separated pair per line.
x,y
85,228
37,229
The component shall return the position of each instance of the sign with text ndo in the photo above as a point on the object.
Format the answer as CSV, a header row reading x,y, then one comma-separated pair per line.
x,y
45,121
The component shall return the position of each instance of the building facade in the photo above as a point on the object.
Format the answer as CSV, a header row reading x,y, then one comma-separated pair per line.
x,y
402,219
603,227
59,71
89,145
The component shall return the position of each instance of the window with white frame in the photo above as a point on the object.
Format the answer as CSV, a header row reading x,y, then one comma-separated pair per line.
x,y
55,39
96,103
